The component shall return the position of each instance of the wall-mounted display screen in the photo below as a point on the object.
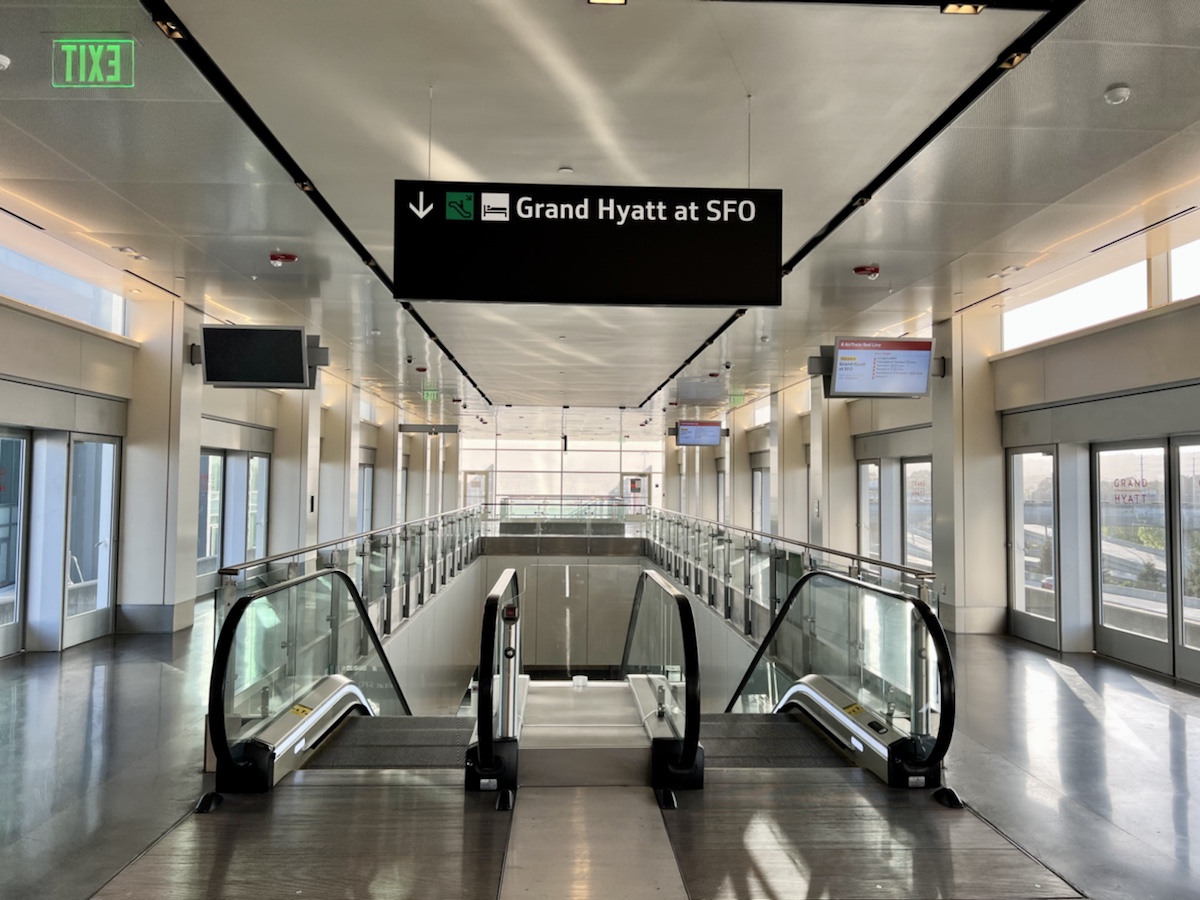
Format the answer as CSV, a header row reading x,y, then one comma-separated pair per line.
x,y
255,356
698,434
881,367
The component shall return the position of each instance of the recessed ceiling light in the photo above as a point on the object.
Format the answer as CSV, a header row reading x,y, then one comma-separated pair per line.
x,y
135,290
1117,94
375,332
140,256
565,170
5,62
963,9
124,249
606,2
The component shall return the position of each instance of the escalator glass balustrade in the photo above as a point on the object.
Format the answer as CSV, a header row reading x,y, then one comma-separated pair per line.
x,y
868,665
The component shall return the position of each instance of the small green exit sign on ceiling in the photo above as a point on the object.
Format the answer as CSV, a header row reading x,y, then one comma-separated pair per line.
x,y
93,63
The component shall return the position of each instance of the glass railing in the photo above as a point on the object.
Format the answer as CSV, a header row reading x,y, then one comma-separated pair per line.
x,y
557,516
887,651
395,569
277,645
661,643
746,574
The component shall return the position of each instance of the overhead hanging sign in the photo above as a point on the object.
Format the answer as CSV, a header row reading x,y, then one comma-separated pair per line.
x,y
586,244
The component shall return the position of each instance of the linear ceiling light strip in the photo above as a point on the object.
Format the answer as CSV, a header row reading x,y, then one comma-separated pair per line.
x,y
1019,48
712,339
163,15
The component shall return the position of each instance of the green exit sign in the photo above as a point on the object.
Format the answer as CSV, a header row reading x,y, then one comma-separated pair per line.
x,y
93,63
431,395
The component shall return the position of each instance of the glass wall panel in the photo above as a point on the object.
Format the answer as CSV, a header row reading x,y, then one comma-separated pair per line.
x,y
208,548
1033,541
1133,540
90,545
1185,271
869,522
1189,538
918,513
257,498
590,460
1117,294
528,460
43,286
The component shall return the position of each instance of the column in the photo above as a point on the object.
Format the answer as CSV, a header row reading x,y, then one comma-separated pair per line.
x,y
161,481
969,540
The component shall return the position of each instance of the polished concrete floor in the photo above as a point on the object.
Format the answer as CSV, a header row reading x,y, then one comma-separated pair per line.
x,y
1088,766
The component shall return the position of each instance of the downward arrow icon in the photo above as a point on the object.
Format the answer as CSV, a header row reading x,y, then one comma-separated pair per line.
x,y
421,209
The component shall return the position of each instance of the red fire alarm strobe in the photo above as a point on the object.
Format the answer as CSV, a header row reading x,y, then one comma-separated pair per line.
x,y
278,259
871,271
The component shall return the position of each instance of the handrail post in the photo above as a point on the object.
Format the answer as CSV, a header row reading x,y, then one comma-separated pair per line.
x,y
420,566
388,544
748,586
921,717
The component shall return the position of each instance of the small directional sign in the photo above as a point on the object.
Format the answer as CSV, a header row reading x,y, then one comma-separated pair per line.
x,y
621,246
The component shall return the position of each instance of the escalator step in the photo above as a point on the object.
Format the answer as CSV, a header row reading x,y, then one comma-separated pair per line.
x,y
766,741
400,742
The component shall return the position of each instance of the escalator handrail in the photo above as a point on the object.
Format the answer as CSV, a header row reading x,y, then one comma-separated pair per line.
x,y
691,661
218,735
932,624
487,664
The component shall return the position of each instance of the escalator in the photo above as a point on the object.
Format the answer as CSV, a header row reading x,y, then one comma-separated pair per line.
x,y
869,668
301,681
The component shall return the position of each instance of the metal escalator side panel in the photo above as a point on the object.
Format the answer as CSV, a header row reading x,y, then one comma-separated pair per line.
x,y
287,742
867,740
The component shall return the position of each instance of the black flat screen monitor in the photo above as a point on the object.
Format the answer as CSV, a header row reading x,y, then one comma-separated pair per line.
x,y
255,356
881,367
698,434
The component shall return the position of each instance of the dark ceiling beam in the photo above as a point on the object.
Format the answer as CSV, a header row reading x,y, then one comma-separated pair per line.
x,y
1055,12
171,26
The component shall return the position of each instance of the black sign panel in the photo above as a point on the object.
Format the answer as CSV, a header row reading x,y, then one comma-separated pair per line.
x,y
621,246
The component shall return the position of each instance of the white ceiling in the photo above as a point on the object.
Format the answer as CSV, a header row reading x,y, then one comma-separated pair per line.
x,y
814,99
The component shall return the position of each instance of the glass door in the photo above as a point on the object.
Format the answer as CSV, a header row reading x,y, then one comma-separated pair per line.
x,y
366,498
14,461
1134,615
91,539
258,486
208,540
476,487
1033,547
1186,456
917,476
870,533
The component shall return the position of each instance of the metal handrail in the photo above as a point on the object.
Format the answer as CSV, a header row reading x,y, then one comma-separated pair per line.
x,y
218,734
932,624
487,662
388,529
920,574
691,662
